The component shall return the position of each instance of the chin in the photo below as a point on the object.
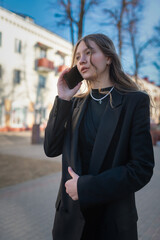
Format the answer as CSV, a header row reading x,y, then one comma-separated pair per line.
x,y
89,77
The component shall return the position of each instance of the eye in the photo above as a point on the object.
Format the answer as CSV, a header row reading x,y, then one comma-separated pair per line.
x,y
77,58
88,52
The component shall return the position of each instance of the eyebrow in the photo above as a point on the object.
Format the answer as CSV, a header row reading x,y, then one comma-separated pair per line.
x,y
84,50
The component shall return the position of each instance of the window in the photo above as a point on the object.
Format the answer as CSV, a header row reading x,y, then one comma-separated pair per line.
x,y
18,46
60,58
0,39
43,53
42,81
17,77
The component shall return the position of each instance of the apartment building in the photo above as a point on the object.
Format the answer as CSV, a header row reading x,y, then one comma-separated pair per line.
x,y
31,59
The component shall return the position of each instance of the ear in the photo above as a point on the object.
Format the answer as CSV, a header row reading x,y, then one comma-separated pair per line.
x,y
108,60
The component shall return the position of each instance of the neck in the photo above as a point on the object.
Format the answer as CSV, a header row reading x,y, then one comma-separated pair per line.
x,y
97,85
102,82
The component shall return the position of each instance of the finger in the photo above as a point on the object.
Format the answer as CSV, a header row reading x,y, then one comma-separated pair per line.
x,y
65,71
77,87
67,183
67,191
71,172
74,198
62,74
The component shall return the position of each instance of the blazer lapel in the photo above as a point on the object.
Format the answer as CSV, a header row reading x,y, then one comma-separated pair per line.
x,y
76,119
105,132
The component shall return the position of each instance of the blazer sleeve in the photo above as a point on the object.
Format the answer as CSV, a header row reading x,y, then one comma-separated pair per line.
x,y
55,129
120,181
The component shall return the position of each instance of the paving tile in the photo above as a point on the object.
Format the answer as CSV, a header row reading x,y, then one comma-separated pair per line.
x,y
27,209
147,200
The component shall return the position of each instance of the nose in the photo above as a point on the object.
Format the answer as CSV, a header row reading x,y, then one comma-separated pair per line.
x,y
82,59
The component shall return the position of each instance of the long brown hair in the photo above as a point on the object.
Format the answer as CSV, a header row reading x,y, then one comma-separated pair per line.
x,y
121,80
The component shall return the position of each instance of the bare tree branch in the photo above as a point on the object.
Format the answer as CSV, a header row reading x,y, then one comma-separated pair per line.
x,y
72,14
119,17
132,29
156,44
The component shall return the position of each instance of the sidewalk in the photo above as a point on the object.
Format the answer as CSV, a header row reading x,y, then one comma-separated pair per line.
x,y
148,205
27,209
19,144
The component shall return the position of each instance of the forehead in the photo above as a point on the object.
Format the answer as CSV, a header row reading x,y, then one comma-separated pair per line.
x,y
82,46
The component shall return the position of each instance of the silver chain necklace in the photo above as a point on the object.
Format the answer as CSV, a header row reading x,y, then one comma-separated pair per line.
x,y
100,99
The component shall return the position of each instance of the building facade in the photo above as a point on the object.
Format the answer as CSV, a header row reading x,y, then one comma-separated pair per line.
x,y
154,93
31,59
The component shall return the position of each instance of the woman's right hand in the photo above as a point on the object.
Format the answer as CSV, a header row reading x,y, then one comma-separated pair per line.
x,y
64,92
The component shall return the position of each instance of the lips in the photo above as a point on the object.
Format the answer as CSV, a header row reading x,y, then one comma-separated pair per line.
x,y
84,69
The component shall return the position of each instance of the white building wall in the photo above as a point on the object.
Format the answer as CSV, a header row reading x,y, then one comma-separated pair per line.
x,y
21,96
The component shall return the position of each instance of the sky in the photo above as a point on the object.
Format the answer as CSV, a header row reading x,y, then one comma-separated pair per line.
x,y
43,15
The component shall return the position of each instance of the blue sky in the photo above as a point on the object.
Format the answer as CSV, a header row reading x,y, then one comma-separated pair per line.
x,y
43,15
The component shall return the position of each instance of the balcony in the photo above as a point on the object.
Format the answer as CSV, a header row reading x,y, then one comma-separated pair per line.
x,y
61,68
44,65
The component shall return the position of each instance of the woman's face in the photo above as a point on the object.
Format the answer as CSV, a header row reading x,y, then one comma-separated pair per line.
x,y
83,58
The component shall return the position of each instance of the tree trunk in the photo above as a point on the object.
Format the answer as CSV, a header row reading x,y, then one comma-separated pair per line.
x,y
72,33
81,18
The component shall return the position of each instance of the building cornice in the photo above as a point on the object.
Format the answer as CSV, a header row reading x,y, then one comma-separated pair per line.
x,y
21,22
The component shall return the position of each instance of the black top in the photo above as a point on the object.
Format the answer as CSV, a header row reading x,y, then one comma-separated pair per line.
x,y
89,126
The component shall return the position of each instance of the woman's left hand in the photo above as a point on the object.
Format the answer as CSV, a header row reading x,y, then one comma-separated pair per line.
x,y
71,185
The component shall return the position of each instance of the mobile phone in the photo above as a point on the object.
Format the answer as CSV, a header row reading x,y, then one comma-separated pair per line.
x,y
73,77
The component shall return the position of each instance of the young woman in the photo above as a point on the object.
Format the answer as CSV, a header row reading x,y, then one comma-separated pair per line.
x,y
104,138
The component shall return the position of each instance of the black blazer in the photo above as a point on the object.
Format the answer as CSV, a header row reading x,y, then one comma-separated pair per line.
x,y
121,163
